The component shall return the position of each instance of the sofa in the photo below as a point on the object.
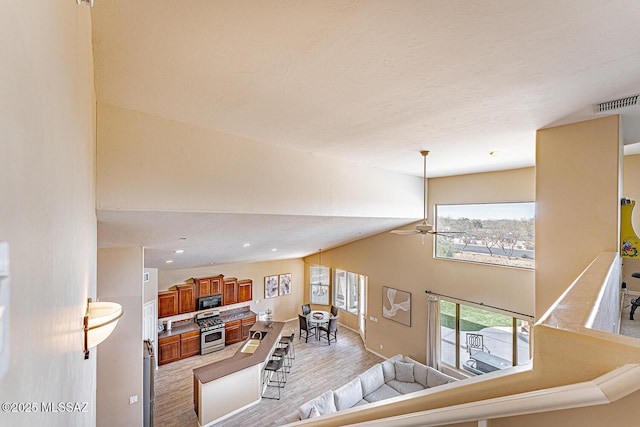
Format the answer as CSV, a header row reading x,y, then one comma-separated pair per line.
x,y
396,376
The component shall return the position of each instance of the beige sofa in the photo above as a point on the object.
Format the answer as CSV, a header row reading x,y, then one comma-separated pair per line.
x,y
393,377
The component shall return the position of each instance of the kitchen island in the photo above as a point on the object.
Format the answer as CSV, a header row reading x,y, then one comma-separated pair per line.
x,y
223,388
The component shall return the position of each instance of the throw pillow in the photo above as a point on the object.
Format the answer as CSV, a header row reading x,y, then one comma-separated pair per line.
x,y
404,372
314,412
388,369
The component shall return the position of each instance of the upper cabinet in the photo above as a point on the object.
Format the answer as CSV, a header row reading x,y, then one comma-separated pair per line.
x,y
167,303
245,290
206,286
183,298
230,291
186,298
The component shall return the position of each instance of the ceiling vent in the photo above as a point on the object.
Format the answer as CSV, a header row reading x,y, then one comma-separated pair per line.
x,y
629,101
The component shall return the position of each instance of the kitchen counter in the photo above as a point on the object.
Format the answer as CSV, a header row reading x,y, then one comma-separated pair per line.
x,y
237,316
225,387
241,360
179,329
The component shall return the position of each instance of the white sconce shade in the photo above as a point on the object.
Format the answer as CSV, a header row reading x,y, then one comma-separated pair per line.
x,y
100,320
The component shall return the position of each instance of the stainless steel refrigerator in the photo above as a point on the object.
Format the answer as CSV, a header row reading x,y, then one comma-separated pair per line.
x,y
148,384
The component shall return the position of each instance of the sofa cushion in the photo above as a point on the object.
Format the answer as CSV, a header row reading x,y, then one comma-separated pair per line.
x,y
323,403
419,371
348,395
404,371
388,368
315,412
383,392
371,379
404,388
436,378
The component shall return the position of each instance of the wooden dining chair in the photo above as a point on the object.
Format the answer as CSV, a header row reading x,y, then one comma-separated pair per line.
x,y
306,309
306,328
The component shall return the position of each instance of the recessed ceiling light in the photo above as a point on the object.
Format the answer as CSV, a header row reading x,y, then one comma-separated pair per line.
x,y
169,261
179,251
274,250
246,245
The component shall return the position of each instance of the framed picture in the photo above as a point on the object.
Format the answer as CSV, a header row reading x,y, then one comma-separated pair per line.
x,y
396,305
270,286
285,284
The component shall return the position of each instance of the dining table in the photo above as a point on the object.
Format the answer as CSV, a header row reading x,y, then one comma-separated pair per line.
x,y
318,318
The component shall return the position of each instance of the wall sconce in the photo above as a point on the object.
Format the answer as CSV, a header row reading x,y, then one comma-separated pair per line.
x,y
100,320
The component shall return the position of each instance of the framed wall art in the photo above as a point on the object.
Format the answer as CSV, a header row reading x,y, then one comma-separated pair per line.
x,y
270,286
285,284
396,305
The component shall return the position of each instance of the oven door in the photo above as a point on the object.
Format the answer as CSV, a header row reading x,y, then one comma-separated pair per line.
x,y
211,340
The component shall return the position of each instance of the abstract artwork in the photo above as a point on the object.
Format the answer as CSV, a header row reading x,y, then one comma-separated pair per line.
x,y
396,305
285,284
270,286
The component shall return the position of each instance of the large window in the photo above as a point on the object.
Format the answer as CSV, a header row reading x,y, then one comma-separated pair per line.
x,y
490,233
345,290
319,284
480,341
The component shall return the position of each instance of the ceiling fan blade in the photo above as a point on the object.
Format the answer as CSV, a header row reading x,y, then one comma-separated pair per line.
x,y
404,232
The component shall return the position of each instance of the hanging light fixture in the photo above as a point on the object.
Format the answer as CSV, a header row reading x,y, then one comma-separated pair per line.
x,y
99,321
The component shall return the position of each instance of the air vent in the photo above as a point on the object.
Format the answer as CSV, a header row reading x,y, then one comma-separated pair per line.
x,y
616,104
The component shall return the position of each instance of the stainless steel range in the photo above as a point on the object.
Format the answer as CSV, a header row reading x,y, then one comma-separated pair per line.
x,y
211,331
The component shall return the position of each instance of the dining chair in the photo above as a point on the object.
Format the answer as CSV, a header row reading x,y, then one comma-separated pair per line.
x,y
331,329
306,309
306,328
334,310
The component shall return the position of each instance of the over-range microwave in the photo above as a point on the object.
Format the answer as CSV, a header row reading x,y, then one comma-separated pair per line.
x,y
212,301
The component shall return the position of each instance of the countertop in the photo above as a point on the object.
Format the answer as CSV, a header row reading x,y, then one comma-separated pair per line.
x,y
239,360
179,329
192,326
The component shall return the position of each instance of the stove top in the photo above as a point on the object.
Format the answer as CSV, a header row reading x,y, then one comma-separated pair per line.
x,y
209,320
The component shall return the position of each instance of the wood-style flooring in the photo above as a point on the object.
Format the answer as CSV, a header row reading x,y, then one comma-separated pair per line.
x,y
317,368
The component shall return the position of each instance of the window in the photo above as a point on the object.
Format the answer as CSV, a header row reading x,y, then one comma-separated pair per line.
x,y
491,233
345,290
319,276
480,341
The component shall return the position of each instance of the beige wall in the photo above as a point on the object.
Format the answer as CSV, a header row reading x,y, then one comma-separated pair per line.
x,y
284,307
577,202
146,163
47,212
120,356
405,263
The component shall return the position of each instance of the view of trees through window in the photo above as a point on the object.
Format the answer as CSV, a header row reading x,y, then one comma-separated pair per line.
x,y
491,233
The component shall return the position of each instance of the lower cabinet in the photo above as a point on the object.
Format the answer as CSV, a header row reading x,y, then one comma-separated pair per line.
x,y
178,347
232,332
189,344
168,349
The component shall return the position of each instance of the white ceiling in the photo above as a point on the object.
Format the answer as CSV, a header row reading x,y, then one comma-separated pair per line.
x,y
367,81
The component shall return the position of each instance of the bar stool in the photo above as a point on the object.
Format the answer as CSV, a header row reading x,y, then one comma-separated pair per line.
x,y
273,367
283,354
288,340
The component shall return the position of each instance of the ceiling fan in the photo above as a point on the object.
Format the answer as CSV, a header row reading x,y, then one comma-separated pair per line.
x,y
424,227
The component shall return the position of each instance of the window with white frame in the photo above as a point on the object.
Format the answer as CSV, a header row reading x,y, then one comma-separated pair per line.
x,y
345,290
319,278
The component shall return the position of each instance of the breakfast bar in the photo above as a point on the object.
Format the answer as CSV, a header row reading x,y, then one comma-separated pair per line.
x,y
223,388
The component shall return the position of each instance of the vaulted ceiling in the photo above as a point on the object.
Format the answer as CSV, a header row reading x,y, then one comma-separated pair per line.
x,y
371,82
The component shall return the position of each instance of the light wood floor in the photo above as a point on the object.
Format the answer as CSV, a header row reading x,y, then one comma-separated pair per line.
x,y
316,369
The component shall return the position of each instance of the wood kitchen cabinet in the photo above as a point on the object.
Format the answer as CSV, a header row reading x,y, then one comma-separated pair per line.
x,y
167,303
230,291
186,298
206,286
168,349
233,332
246,326
245,290
189,344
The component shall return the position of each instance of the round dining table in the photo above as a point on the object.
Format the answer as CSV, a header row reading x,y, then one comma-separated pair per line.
x,y
317,318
